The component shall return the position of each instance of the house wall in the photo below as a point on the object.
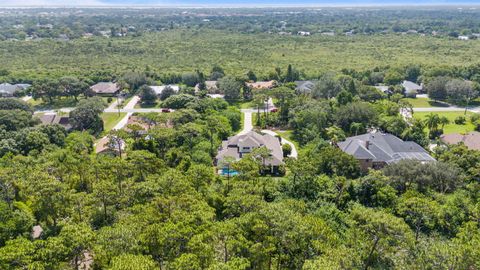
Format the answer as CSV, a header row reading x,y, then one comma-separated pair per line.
x,y
365,164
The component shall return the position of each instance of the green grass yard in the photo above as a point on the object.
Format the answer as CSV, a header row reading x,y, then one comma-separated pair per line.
x,y
452,127
424,103
111,119
62,102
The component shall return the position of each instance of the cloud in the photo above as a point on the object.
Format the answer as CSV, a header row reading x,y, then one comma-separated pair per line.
x,y
19,3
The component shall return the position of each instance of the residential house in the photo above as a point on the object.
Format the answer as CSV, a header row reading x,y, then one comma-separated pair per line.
x,y
383,88
262,85
138,124
210,86
411,88
238,146
105,88
471,140
158,89
53,118
216,95
304,33
304,87
9,90
108,146
376,150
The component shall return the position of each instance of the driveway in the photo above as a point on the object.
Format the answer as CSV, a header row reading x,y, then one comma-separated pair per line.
x,y
131,104
26,98
247,121
122,123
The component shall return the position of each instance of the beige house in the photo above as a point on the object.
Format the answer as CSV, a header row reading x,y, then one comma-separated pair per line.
x,y
238,146
471,140
105,88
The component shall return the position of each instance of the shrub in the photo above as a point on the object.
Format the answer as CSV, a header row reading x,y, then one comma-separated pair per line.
x,y
287,150
474,118
460,120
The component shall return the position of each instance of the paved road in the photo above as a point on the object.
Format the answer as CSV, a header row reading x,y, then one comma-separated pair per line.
x,y
114,104
26,98
131,104
122,123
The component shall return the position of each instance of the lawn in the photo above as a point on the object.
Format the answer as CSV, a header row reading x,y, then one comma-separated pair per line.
x,y
424,103
63,102
111,119
452,127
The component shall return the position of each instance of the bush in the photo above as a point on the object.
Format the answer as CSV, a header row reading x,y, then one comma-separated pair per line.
x,y
178,101
147,95
287,150
109,100
474,118
460,120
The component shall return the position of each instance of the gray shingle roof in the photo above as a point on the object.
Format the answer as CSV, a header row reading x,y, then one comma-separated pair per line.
x,y
411,86
383,147
252,139
304,86
7,89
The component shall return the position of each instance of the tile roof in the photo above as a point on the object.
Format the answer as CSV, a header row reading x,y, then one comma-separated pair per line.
x,y
262,85
471,140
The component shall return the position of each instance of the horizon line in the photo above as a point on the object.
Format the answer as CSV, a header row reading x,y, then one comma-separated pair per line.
x,y
220,6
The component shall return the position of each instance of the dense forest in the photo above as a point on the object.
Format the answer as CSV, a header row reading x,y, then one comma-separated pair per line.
x,y
157,200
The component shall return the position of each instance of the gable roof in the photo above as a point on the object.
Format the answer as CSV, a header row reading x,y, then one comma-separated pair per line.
x,y
383,147
252,139
53,118
7,89
304,86
105,88
262,85
471,140
411,86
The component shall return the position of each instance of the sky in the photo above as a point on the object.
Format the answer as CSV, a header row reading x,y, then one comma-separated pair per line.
x,y
231,2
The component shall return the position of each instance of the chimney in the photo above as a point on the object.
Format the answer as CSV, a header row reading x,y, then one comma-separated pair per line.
x,y
367,145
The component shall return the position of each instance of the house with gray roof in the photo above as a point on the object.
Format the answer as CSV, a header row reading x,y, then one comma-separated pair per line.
x,y
105,88
411,88
376,150
238,146
53,118
304,87
9,90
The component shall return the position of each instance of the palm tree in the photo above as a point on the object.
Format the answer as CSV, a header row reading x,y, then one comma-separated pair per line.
x,y
432,121
443,121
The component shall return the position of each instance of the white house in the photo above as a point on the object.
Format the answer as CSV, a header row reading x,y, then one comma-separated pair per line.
x,y
158,89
